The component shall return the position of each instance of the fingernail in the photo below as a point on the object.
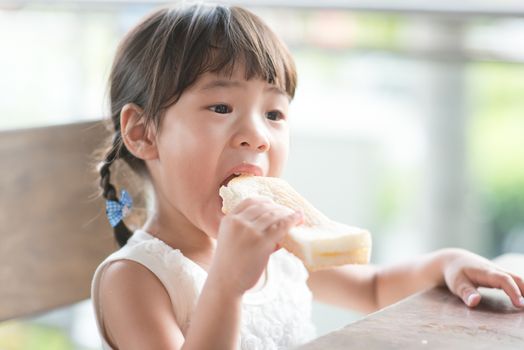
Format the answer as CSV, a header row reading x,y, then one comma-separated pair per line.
x,y
470,299
521,301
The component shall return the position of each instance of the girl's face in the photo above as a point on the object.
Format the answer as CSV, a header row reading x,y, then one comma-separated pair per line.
x,y
221,125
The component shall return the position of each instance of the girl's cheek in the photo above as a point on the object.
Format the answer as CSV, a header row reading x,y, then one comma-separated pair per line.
x,y
278,160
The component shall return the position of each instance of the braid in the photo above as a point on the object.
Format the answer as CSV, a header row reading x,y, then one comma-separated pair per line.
x,y
121,232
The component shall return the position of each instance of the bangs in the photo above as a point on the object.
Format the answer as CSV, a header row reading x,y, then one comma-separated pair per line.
x,y
218,38
246,40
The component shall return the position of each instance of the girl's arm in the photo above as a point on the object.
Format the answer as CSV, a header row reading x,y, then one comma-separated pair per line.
x,y
348,286
369,288
138,314
216,321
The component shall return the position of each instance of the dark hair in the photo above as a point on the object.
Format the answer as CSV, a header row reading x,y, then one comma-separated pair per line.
x,y
167,52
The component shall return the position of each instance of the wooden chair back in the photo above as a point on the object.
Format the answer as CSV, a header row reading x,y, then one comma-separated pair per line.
x,y
53,229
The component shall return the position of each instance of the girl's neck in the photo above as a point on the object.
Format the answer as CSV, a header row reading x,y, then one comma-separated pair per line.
x,y
184,236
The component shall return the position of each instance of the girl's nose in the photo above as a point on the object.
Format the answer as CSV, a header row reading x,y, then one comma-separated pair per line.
x,y
252,135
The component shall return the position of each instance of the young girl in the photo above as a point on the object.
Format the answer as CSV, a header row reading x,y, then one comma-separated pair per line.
x,y
200,93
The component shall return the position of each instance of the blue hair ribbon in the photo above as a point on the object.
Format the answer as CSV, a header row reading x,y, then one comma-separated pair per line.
x,y
116,211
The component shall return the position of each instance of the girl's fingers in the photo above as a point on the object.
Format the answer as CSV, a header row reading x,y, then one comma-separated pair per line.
x,y
501,280
467,292
279,228
272,216
252,201
266,219
256,210
519,280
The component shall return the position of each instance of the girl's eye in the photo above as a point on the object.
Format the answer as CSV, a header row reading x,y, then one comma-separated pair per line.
x,y
221,109
275,115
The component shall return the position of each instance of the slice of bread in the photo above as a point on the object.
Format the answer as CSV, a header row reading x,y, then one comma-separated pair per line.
x,y
319,242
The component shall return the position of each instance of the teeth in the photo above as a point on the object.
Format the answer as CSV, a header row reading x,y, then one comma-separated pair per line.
x,y
237,174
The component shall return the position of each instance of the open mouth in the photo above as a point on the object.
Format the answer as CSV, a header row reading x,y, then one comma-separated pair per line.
x,y
229,178
232,176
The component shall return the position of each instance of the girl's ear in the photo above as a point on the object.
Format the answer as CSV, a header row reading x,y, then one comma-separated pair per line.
x,y
139,140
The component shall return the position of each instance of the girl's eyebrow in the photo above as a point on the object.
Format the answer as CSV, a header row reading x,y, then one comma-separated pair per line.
x,y
221,83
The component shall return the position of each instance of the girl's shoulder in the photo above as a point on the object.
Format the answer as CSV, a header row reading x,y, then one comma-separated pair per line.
x,y
122,288
147,261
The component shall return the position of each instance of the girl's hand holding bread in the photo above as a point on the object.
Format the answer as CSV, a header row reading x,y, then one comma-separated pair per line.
x,y
247,236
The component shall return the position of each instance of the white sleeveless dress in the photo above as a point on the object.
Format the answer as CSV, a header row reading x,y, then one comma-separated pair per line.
x,y
277,316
